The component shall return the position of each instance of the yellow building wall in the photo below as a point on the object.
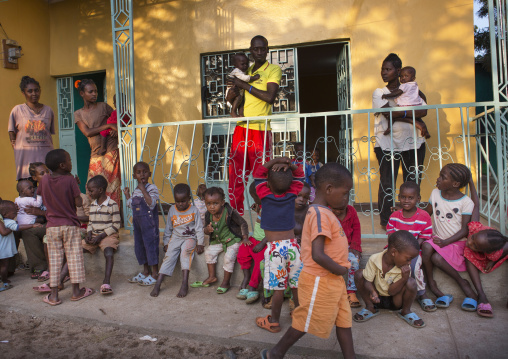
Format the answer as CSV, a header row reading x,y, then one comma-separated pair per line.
x,y
434,36
27,22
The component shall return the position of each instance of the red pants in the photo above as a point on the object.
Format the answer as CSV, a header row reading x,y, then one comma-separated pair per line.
x,y
252,154
246,255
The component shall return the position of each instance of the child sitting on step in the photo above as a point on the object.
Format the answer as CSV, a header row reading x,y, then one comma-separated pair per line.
x,y
278,183
228,231
184,230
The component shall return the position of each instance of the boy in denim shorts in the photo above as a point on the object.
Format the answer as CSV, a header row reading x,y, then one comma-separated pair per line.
x,y
278,183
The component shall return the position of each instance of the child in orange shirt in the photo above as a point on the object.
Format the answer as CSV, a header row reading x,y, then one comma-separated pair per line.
x,y
321,289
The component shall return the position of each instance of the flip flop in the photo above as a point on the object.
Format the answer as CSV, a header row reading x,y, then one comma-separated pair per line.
x,y
242,294
484,310
221,290
5,286
426,303
411,318
264,353
252,297
137,278
46,300
148,281
36,274
44,276
366,315
264,323
199,285
43,288
444,301
88,292
469,305
353,300
106,289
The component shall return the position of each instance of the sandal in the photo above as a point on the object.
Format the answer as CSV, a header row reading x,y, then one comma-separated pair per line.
x,y
365,314
353,300
242,294
252,297
44,276
268,304
137,278
427,305
411,318
148,281
444,301
5,286
46,300
484,310
88,292
43,288
469,305
106,289
221,290
36,274
264,323
199,285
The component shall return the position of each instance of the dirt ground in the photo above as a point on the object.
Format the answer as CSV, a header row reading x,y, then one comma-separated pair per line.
x,y
33,337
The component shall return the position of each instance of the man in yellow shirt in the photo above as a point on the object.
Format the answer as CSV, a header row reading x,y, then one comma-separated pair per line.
x,y
259,97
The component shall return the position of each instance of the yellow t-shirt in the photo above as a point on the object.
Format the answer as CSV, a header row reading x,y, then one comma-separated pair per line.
x,y
254,106
373,272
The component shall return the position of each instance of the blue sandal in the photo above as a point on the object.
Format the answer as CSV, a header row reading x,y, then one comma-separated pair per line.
x,y
366,315
469,305
427,305
252,297
242,294
411,318
444,301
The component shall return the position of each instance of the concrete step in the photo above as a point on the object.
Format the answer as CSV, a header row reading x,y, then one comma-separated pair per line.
x,y
495,284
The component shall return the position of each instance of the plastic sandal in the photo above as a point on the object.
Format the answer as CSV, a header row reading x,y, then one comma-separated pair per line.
x,y
366,315
264,353
426,303
148,281
242,294
44,276
469,305
353,300
88,292
5,286
36,274
252,297
444,301
221,290
484,310
264,323
137,278
43,288
411,318
199,285
46,300
106,289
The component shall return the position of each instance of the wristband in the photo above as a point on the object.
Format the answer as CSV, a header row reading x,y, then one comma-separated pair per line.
x,y
250,89
405,113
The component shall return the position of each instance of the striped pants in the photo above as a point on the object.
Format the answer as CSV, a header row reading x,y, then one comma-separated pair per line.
x,y
65,240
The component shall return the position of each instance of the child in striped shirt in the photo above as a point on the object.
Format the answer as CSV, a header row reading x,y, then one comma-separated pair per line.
x,y
417,222
103,226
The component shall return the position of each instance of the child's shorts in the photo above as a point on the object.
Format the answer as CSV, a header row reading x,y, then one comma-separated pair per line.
x,y
213,251
110,241
323,305
282,264
386,302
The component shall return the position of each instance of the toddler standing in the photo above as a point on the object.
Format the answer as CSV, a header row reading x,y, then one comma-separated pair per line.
x,y
60,194
145,220
184,230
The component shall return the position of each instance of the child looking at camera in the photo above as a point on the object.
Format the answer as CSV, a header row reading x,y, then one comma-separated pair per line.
x,y
145,220
228,231
184,230
241,64
26,199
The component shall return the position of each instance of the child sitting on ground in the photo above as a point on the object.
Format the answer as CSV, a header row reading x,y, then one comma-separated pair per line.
x,y
385,283
227,230
408,94
145,220
351,225
184,230
486,249
200,201
241,64
278,183
452,212
103,226
417,222
7,242
26,199
60,194
253,252
321,287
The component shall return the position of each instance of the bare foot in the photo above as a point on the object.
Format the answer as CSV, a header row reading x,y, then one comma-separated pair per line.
x,y
183,290
210,280
434,289
155,291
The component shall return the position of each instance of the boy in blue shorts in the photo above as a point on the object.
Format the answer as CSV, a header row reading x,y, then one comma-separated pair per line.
x,y
278,183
